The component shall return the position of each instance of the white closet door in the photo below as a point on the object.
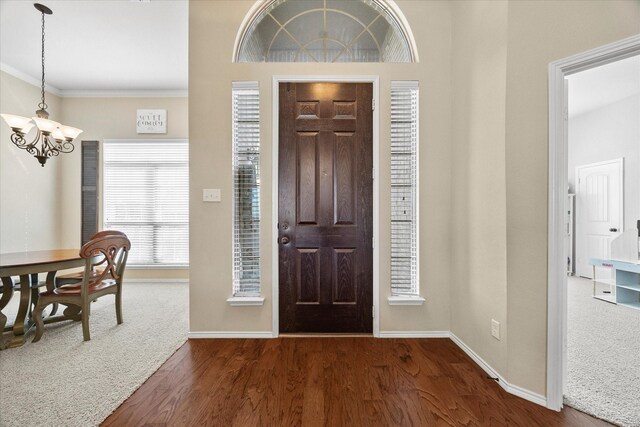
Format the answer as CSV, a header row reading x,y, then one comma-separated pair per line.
x,y
599,213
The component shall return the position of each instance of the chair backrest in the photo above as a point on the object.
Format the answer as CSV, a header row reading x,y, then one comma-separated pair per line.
x,y
104,233
113,248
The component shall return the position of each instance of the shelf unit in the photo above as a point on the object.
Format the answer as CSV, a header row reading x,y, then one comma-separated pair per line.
x,y
625,288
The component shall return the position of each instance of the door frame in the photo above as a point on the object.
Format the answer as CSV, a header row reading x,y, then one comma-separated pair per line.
x,y
557,203
619,161
275,279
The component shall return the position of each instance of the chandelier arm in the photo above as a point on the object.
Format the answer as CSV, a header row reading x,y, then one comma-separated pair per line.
x,y
20,142
65,147
49,149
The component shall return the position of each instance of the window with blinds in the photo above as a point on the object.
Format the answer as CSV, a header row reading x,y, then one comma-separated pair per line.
x,y
146,196
404,188
246,189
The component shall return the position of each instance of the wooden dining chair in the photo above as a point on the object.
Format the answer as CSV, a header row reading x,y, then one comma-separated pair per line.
x,y
111,250
65,279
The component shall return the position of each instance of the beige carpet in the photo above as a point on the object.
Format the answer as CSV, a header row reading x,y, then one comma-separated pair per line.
x,y
603,357
63,381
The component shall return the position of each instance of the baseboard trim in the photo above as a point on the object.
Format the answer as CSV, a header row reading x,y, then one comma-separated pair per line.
x,y
414,334
509,388
156,280
216,334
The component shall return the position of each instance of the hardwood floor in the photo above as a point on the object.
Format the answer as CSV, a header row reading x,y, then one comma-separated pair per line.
x,y
355,381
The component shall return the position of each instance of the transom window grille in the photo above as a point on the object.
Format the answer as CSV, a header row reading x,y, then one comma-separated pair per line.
x,y
146,196
325,31
246,189
404,188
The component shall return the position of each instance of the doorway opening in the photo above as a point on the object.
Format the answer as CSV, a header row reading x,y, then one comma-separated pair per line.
x,y
604,174
325,202
594,182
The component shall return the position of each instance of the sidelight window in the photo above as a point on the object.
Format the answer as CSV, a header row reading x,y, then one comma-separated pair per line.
x,y
246,189
404,189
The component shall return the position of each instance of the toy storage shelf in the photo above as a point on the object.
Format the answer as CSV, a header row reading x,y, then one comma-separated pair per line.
x,y
625,289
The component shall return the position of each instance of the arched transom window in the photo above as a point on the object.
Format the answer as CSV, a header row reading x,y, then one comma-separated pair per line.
x,y
325,31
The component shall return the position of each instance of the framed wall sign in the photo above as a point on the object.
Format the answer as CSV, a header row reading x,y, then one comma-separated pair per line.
x,y
151,121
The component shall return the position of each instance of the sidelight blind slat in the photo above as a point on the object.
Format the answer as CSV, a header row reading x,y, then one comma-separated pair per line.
x,y
246,188
404,183
146,196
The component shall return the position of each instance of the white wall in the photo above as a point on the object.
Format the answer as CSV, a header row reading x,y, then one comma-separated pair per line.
x,y
610,132
479,261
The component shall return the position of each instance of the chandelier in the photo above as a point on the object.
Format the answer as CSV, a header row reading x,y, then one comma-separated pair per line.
x,y
52,138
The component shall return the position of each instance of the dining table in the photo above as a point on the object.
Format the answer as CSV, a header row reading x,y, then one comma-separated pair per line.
x,y
27,265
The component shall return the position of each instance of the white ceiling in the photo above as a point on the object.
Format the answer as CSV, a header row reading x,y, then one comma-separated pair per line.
x,y
603,85
98,45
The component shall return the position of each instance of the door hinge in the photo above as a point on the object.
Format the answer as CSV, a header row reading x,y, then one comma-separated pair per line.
x,y
373,242
373,173
373,311
373,104
566,113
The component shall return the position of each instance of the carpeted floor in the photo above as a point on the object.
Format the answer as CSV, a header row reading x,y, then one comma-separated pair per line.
x,y
63,381
603,357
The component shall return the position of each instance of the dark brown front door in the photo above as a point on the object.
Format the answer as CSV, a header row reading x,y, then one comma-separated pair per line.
x,y
325,207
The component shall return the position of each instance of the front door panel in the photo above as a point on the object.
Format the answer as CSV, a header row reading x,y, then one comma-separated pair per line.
x,y
325,206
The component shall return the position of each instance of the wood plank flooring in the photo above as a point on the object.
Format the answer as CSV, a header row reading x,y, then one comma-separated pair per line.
x,y
354,381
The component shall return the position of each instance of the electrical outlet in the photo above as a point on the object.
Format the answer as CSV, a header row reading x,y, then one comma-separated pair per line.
x,y
495,329
211,195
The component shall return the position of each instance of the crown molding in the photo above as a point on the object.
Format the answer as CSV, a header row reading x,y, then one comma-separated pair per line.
x,y
134,93
71,93
28,79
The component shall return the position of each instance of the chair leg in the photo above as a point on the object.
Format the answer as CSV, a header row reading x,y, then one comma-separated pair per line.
x,y
35,295
85,325
7,293
119,306
37,317
51,285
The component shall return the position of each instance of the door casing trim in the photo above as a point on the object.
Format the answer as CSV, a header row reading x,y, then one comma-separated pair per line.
x,y
557,203
275,283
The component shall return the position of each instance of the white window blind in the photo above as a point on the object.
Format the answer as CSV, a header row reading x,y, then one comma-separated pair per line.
x,y
246,189
146,196
404,183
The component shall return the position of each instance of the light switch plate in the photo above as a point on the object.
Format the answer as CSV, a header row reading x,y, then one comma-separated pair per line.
x,y
211,195
495,329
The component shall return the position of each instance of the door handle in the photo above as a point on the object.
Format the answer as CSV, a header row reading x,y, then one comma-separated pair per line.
x,y
613,230
284,240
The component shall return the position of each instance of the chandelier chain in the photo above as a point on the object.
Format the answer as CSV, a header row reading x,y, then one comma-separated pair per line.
x,y
43,105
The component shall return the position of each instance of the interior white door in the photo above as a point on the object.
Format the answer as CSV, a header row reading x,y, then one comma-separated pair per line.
x,y
599,213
